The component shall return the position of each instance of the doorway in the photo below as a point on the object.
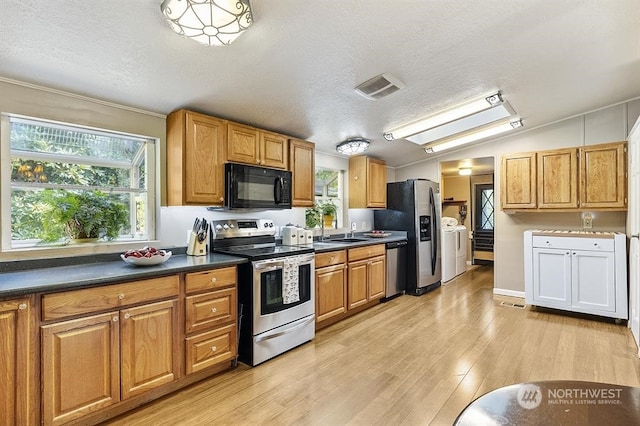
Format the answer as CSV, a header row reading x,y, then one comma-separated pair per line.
x,y
467,194
483,224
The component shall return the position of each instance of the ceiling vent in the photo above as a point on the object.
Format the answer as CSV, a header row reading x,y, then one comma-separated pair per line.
x,y
379,87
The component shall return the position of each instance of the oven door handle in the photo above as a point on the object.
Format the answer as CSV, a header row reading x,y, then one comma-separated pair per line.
x,y
268,265
292,327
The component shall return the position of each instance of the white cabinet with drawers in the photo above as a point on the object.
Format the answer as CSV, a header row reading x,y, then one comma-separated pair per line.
x,y
577,271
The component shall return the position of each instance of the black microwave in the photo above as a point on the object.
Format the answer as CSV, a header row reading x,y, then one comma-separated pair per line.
x,y
251,187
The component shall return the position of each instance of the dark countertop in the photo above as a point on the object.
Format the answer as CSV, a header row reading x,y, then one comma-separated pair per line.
x,y
17,283
329,245
21,283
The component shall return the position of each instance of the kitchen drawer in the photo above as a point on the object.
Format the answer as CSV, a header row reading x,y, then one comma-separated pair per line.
x,y
209,310
89,300
574,243
366,252
211,348
207,280
331,258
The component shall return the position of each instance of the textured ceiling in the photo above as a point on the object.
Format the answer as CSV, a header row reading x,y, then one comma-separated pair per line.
x,y
294,71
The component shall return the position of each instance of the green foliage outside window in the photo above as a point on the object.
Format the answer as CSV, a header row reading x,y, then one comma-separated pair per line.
x,y
54,166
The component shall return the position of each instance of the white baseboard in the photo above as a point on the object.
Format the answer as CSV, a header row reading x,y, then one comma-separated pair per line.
x,y
511,293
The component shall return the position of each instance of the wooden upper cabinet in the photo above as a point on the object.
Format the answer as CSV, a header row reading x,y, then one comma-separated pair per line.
x,y
248,145
570,179
518,181
367,182
302,166
603,176
274,150
558,178
243,144
195,159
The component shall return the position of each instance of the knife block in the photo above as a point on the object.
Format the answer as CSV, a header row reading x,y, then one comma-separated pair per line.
x,y
195,247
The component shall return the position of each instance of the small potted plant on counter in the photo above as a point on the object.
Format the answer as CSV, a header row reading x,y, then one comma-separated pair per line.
x,y
84,216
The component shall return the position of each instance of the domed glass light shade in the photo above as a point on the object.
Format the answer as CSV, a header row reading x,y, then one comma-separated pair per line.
x,y
210,22
353,146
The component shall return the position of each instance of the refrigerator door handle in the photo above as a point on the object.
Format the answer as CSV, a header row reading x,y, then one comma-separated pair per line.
x,y
434,231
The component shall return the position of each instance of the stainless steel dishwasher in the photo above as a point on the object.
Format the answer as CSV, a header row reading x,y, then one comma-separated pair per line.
x,y
396,269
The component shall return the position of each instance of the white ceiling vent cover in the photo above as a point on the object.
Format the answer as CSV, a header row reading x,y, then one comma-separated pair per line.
x,y
379,87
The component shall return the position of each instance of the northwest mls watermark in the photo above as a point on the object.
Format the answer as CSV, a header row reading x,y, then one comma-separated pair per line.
x,y
531,396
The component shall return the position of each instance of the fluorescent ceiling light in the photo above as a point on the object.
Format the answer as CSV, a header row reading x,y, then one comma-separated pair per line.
x,y
462,125
444,117
481,133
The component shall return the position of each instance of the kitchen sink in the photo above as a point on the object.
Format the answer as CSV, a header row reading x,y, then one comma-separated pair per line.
x,y
348,240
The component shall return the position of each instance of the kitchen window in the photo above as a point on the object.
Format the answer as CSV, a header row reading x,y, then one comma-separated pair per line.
x,y
328,198
44,158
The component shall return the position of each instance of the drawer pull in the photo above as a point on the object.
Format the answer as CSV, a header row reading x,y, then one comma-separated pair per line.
x,y
121,296
214,310
22,306
214,279
213,348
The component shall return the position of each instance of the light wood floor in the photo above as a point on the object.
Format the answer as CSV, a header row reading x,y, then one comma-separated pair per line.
x,y
413,360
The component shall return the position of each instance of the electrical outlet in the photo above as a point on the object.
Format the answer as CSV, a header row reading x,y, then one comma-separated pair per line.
x,y
353,226
587,221
277,229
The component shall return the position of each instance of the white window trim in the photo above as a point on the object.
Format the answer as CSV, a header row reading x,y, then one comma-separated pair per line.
x,y
7,253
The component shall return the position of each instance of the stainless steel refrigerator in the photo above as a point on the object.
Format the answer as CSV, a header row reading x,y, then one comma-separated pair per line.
x,y
414,206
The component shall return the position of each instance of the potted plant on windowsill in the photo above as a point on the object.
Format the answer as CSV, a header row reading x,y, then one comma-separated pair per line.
x,y
85,216
328,211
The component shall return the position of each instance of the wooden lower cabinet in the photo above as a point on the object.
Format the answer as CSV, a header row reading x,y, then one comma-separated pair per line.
x,y
358,283
331,292
91,363
80,367
344,289
148,347
17,402
211,312
211,348
366,281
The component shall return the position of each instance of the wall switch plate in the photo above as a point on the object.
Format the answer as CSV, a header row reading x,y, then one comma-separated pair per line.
x,y
587,221
353,226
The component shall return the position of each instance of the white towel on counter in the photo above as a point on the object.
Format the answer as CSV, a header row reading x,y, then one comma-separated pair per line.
x,y
290,285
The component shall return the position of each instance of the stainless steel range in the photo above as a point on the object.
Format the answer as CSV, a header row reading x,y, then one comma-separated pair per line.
x,y
275,289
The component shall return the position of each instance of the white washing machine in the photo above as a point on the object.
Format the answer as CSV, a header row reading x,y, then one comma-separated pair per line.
x,y
449,248
461,249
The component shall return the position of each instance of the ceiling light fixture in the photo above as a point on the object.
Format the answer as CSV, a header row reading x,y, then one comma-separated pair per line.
x,y
210,22
444,117
480,133
464,171
353,146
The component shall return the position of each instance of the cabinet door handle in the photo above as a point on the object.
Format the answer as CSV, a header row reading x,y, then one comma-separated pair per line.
x,y
214,279
127,315
22,306
121,296
567,252
114,319
214,310
213,348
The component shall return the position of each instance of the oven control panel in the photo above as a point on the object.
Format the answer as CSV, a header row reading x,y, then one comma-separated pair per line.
x,y
233,228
